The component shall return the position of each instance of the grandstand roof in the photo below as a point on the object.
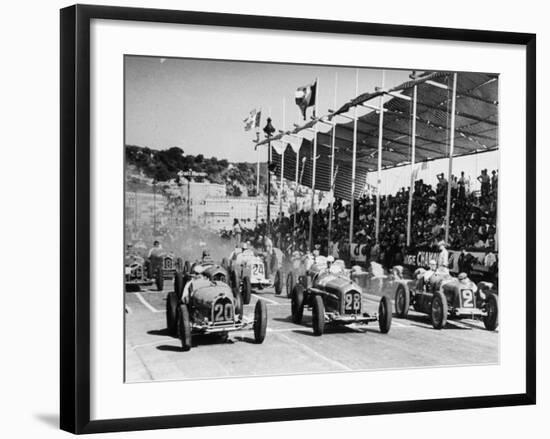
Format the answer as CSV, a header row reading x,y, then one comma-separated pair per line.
x,y
476,129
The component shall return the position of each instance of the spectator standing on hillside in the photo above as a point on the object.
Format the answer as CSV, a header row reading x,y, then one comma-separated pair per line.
x,y
237,231
485,181
494,182
462,186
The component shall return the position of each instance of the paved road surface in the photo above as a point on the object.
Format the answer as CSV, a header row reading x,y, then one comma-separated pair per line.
x,y
151,354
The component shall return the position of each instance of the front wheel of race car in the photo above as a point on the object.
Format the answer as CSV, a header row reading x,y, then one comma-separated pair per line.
x,y
402,301
297,303
238,303
290,282
171,313
260,321
439,310
278,283
318,316
491,306
184,328
247,290
159,279
178,284
384,315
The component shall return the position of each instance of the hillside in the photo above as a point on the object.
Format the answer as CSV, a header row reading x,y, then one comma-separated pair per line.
x,y
164,165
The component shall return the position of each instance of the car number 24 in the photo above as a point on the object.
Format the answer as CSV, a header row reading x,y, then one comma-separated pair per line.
x,y
257,269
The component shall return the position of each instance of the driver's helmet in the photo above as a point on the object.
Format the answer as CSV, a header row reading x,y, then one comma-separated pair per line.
x,y
330,260
432,264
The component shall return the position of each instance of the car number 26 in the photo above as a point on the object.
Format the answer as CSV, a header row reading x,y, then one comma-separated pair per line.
x,y
467,298
353,302
223,311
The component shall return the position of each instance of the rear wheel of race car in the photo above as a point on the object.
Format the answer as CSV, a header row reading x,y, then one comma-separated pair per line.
x,y
184,327
439,310
402,301
297,303
172,313
290,282
159,279
318,316
491,306
384,315
260,321
178,284
238,303
247,290
278,283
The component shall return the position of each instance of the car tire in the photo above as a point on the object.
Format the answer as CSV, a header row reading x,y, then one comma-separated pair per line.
x,y
290,282
178,284
318,316
402,301
491,305
238,303
159,279
439,309
172,313
384,315
247,290
297,303
184,327
260,321
278,283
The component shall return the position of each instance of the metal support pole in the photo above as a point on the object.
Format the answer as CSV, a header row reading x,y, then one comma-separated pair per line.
x,y
282,167
269,185
451,151
189,197
379,174
257,182
310,247
354,157
413,152
332,153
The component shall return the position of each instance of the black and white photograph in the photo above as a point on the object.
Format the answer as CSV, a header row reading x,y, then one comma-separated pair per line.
x,y
294,219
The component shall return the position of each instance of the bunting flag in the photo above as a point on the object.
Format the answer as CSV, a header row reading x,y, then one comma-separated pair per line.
x,y
305,97
253,120
294,142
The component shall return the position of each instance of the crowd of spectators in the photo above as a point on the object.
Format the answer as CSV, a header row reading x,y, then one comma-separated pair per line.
x,y
472,221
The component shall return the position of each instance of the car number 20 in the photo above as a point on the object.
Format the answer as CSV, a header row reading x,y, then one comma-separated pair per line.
x,y
223,311
353,302
467,298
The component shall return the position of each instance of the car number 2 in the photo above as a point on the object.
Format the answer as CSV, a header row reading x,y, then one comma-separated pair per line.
x,y
223,312
353,302
467,299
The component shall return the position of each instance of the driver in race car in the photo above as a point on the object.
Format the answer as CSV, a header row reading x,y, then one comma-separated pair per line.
x,y
206,258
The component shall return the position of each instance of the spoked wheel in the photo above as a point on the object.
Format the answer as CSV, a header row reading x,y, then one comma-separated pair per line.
x,y
439,310
318,315
384,315
172,313
184,327
297,303
260,321
402,301
247,290
491,319
290,282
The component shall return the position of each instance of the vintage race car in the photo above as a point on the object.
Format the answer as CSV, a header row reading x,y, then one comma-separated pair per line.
x,y
163,266
334,298
199,305
442,296
247,272
209,270
135,274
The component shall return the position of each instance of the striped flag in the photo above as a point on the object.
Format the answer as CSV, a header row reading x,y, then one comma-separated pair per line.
x,y
305,97
253,120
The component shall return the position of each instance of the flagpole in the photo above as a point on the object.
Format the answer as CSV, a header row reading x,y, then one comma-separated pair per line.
x,y
413,152
257,182
332,148
379,174
314,168
269,180
451,151
353,163
282,166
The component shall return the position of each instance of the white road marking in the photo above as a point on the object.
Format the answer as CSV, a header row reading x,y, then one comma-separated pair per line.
x,y
317,354
272,302
147,304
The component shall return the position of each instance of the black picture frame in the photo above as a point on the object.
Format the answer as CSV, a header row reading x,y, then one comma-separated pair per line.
x,y
75,217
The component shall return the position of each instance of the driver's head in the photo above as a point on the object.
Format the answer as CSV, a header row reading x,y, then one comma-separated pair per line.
x,y
156,244
432,264
205,253
330,260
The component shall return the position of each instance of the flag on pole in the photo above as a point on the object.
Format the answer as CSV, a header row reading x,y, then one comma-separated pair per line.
x,y
305,97
253,120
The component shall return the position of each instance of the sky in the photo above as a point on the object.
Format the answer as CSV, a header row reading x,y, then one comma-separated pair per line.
x,y
199,105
